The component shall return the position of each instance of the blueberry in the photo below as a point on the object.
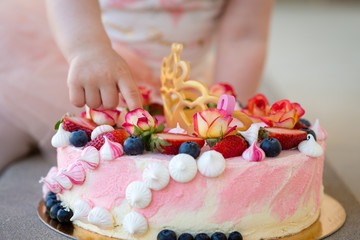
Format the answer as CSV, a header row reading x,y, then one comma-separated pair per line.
x,y
310,131
166,234
271,147
218,236
54,210
64,216
305,122
49,203
235,236
78,138
50,195
202,236
191,148
134,146
186,236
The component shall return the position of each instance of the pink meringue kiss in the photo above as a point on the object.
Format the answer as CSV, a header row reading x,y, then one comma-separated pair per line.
x,y
75,172
63,180
253,153
319,131
99,130
51,184
111,150
90,157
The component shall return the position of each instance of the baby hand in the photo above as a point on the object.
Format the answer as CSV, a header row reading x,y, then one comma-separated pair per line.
x,y
97,75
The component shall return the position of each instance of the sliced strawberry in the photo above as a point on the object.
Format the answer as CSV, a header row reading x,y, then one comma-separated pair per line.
x,y
231,146
300,125
119,135
288,138
71,124
169,143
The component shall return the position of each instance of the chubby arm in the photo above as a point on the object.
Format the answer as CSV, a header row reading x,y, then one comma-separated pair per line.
x,y
242,45
97,73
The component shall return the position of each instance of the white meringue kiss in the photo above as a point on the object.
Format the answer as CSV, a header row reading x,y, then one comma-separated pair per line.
x,y
178,130
101,130
319,131
61,138
251,135
101,217
111,150
156,176
81,210
182,168
75,172
135,224
211,164
138,194
63,180
90,157
310,147
253,153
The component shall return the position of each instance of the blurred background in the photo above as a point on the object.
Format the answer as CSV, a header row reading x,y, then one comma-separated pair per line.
x,y
314,59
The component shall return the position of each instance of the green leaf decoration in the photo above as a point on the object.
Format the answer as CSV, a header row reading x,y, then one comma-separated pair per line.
x,y
164,143
158,146
57,125
137,130
211,105
212,141
160,128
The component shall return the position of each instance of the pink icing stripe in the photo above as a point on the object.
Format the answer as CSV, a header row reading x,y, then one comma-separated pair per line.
x,y
75,172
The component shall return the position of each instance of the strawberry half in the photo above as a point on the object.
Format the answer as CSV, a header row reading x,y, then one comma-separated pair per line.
x,y
119,135
169,143
288,138
231,146
300,125
71,124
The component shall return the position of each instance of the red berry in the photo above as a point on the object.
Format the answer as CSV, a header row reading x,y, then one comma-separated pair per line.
x,y
169,143
72,124
119,135
288,138
231,146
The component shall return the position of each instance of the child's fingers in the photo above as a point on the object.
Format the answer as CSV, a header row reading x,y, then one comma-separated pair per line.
x,y
131,94
77,95
109,96
93,98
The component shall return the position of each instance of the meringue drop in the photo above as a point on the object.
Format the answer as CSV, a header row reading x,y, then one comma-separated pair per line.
x,y
61,138
101,130
81,210
156,176
90,157
51,184
319,131
135,224
253,153
182,168
310,147
75,172
101,217
111,150
138,194
63,180
178,130
211,164
251,134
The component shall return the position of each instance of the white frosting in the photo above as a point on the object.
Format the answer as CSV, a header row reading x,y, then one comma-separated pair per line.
x,y
61,138
182,168
101,217
101,130
138,194
310,147
211,164
90,157
111,150
251,134
135,223
319,131
156,176
63,180
178,130
81,210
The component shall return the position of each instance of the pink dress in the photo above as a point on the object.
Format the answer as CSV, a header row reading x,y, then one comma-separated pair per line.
x,y
33,92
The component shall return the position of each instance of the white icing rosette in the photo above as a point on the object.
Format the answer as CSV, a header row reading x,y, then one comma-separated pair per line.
x,y
90,157
251,134
101,217
135,224
111,150
182,168
101,130
156,176
310,147
211,164
61,138
138,194
81,210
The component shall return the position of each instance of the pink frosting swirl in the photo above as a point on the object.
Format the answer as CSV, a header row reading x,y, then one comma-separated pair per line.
x,y
75,172
253,153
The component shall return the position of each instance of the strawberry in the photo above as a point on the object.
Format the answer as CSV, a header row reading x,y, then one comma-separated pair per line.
x,y
71,124
119,135
231,146
288,138
300,125
169,143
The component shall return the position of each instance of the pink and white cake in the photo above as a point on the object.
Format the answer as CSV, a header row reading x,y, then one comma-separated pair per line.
x,y
260,181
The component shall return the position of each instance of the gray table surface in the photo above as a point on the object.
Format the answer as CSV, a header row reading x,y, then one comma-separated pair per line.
x,y
20,194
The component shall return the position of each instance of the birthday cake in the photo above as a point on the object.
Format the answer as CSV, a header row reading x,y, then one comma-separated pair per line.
x,y
204,168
